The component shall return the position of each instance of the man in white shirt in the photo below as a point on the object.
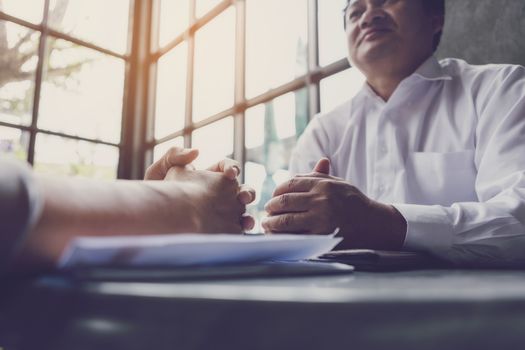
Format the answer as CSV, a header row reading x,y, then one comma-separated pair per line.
x,y
428,156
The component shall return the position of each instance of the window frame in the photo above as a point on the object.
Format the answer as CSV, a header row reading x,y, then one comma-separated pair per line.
x,y
311,80
46,32
139,99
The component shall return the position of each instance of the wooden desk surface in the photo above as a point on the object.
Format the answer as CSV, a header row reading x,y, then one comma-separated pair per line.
x,y
432,309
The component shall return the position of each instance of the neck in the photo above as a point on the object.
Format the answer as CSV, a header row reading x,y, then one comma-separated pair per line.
x,y
384,86
384,79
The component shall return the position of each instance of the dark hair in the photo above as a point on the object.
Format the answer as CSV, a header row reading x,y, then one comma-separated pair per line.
x,y
435,7
431,6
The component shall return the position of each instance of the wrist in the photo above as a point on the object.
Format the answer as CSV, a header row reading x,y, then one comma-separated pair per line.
x,y
399,228
389,227
173,208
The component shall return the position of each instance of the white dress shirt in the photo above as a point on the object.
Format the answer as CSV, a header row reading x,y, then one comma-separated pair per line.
x,y
447,150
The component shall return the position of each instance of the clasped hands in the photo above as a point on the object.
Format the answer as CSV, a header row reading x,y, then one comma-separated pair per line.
x,y
317,203
314,203
218,202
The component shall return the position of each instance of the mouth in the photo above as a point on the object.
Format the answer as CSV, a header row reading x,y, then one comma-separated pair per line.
x,y
374,34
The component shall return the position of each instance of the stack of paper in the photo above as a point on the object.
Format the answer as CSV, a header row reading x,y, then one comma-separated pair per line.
x,y
193,249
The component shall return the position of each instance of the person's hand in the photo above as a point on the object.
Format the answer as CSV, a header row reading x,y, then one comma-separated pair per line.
x,y
231,169
175,156
172,164
215,200
182,157
318,203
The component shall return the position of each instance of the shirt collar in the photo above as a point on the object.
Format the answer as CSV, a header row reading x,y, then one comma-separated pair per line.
x,y
429,70
432,70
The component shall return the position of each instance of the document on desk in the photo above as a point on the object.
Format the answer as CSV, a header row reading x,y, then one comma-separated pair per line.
x,y
179,250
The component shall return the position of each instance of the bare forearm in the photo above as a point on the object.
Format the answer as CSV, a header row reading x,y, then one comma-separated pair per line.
x,y
83,207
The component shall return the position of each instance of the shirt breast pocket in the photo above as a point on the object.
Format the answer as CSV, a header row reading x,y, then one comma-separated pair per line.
x,y
441,178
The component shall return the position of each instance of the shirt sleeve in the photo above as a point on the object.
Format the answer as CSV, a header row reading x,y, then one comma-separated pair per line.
x,y
492,231
309,149
20,206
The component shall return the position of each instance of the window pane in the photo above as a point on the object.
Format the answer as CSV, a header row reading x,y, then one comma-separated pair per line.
x,y
82,92
203,6
256,177
276,43
14,143
100,22
60,156
174,19
271,133
29,10
214,66
332,38
340,87
18,60
214,142
171,91
162,148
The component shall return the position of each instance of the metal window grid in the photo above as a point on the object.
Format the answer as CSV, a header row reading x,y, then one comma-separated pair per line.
x,y
45,33
310,80
137,140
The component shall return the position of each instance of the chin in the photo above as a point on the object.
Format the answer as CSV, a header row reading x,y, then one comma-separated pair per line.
x,y
375,51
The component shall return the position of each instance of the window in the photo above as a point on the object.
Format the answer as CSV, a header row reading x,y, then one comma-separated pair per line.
x,y
338,88
214,66
70,157
276,49
214,141
62,84
162,148
100,22
239,78
171,91
27,10
203,6
19,47
332,40
14,142
252,81
271,133
82,92
174,19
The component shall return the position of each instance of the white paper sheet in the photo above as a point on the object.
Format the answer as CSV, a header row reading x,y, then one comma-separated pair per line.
x,y
193,249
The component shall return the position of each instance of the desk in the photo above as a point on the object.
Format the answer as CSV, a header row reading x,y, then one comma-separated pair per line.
x,y
432,309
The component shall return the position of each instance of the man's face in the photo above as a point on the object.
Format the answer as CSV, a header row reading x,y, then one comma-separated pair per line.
x,y
394,32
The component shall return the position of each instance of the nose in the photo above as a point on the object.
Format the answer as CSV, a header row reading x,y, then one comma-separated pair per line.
x,y
372,15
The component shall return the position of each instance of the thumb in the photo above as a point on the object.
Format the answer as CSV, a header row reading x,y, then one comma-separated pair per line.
x,y
174,157
178,157
323,166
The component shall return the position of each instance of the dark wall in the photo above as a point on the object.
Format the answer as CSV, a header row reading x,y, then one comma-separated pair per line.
x,y
485,31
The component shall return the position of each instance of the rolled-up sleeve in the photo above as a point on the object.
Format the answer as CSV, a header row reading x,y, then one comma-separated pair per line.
x,y
20,206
